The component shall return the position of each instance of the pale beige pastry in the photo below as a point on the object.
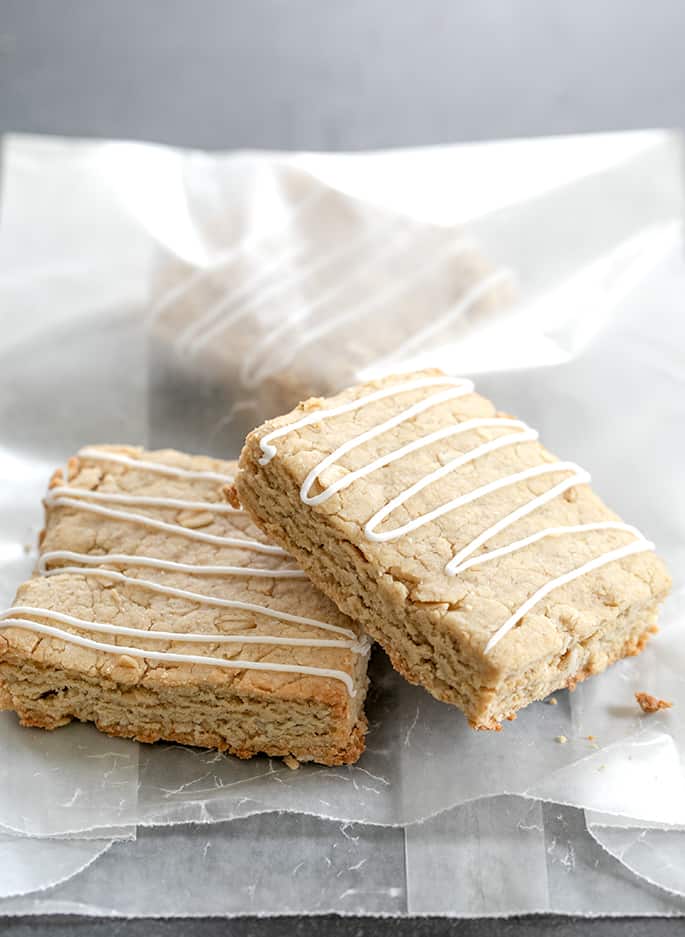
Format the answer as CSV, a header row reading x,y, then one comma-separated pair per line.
x,y
306,310
249,656
489,571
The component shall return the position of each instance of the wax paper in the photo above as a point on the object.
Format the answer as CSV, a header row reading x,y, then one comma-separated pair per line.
x,y
585,343
493,857
30,865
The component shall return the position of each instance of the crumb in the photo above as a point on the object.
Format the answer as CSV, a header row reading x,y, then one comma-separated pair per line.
x,y
650,704
591,738
27,548
56,479
552,701
291,762
231,495
561,739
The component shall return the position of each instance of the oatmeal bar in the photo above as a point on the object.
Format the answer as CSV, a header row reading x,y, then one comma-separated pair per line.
x,y
276,319
489,570
159,611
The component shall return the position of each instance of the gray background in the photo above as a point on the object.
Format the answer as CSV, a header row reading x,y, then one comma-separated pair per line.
x,y
338,74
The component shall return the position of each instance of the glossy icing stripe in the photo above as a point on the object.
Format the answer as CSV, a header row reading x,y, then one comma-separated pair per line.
x,y
169,657
286,322
354,645
460,388
390,457
217,507
535,471
473,296
252,372
460,567
126,559
189,533
160,468
234,253
224,309
638,546
201,598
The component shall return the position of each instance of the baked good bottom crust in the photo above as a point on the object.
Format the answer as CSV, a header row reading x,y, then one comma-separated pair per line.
x,y
47,699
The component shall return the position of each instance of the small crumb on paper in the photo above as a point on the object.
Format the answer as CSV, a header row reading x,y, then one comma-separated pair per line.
x,y
561,739
291,762
552,701
591,738
650,704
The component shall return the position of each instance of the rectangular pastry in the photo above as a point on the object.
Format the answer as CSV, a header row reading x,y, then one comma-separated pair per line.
x,y
160,612
489,570
277,318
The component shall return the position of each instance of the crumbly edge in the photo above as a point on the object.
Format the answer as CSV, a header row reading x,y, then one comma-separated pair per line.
x,y
423,653
202,716
600,650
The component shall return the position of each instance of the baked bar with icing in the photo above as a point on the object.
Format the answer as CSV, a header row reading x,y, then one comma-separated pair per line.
x,y
159,611
489,570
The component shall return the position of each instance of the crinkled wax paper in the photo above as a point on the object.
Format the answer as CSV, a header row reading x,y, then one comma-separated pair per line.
x,y
104,246
30,865
498,856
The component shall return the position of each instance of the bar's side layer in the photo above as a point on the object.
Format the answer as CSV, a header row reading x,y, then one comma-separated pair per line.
x,y
204,715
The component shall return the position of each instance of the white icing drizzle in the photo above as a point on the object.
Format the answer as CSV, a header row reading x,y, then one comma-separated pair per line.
x,y
508,440
201,598
191,534
232,254
354,645
459,562
159,468
637,546
285,351
168,656
343,250
88,565
461,387
438,323
217,507
226,305
577,478
126,559
457,566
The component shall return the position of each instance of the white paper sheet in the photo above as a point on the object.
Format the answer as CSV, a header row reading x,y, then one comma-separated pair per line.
x,y
28,866
591,354
490,858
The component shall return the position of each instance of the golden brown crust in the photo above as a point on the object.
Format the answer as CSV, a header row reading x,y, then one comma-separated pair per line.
x,y
5,698
346,753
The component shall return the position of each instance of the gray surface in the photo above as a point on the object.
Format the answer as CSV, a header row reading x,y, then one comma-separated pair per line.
x,y
321,74
343,927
